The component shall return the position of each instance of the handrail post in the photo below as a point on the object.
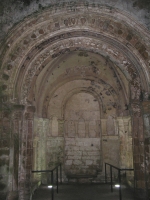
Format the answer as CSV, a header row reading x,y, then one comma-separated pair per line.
x,y
60,174
119,176
105,173
111,178
57,178
52,185
134,183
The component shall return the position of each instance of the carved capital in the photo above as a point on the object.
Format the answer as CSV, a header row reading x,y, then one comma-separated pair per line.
x,y
17,111
136,109
146,107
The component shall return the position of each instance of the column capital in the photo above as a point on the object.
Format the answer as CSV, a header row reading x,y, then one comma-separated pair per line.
x,y
124,119
136,108
146,107
31,109
17,111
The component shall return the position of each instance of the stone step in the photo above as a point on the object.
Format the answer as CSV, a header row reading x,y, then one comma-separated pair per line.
x,y
97,178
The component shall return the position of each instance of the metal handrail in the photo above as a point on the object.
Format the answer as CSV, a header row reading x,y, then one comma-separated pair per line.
x,y
52,176
119,177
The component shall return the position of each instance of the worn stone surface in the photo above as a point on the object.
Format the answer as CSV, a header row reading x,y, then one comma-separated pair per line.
x,y
55,151
111,149
82,156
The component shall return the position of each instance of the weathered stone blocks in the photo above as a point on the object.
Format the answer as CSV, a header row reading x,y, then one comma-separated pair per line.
x,y
69,162
84,157
55,151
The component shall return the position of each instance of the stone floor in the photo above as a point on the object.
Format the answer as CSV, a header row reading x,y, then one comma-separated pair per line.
x,y
83,192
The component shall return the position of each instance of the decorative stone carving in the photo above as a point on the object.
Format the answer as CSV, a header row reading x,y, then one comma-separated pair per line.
x,y
87,43
82,70
97,20
136,109
85,68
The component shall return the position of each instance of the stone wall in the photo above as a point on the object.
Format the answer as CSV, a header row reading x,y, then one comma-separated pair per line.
x,y
55,151
82,156
82,153
117,149
110,149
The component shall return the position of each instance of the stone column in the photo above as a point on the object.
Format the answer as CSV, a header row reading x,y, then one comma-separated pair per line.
x,y
87,129
10,118
26,154
103,126
138,150
126,160
98,129
38,123
61,127
146,114
66,128
17,118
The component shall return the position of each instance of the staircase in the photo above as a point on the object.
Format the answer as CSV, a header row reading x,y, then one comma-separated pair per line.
x,y
97,178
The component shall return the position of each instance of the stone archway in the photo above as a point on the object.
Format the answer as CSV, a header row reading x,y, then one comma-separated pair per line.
x,y
58,54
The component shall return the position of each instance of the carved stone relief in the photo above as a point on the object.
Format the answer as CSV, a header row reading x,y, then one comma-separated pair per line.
x,y
136,109
97,46
87,43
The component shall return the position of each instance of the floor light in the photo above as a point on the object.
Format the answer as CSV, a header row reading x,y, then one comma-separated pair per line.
x,y
117,185
50,186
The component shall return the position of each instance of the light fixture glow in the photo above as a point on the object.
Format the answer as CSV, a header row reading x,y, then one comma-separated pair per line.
x,y
117,186
50,186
